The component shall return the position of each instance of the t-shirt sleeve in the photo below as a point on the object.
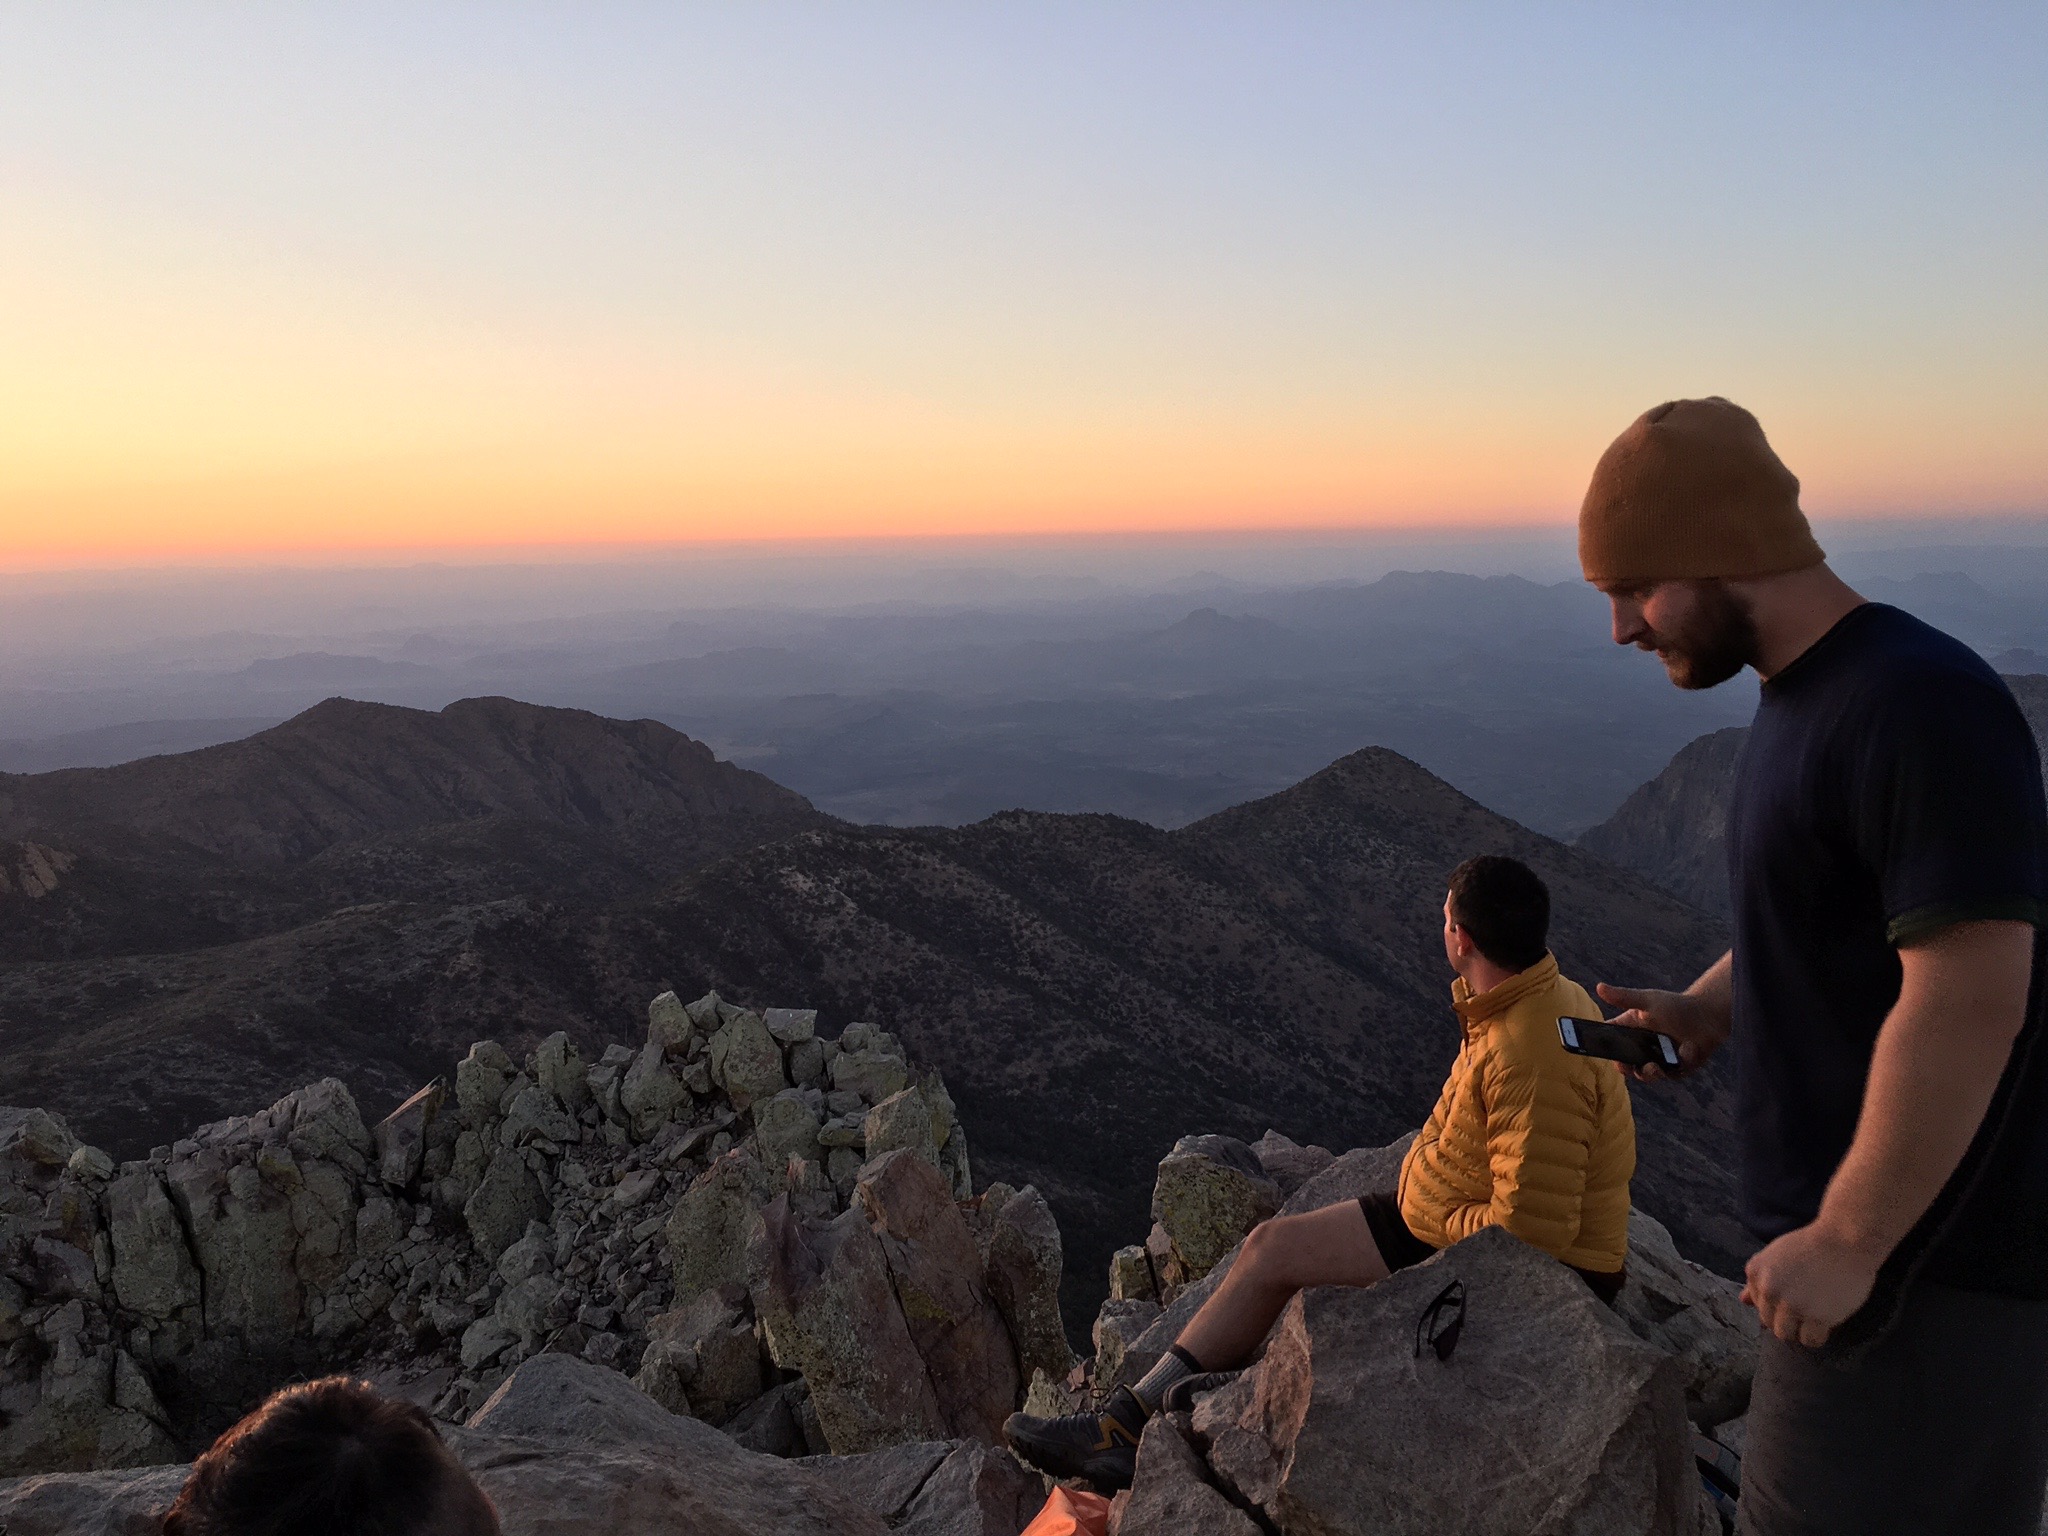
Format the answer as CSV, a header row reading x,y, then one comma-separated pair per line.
x,y
1949,806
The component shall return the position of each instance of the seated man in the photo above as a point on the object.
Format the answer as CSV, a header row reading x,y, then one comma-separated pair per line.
x,y
1525,1136
331,1458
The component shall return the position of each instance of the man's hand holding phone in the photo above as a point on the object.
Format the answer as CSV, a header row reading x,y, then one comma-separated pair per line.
x,y
1697,1019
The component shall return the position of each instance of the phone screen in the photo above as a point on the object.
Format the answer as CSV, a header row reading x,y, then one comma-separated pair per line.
x,y
1615,1042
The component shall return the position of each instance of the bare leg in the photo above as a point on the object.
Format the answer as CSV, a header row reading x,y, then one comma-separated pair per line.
x,y
1332,1246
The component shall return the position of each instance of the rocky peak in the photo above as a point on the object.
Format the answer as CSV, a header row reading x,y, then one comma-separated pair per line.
x,y
684,1335
526,1208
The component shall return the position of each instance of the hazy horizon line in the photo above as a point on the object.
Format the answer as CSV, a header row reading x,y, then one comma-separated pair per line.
x,y
1971,528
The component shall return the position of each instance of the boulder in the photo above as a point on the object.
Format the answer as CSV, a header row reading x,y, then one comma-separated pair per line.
x,y
235,1203
828,1308
508,1197
791,1026
786,1126
883,1482
481,1078
773,1423
703,1359
605,1078
708,1230
935,1264
557,1067
953,1163
154,1274
1118,1327
1692,1313
978,1490
807,1063
1361,1171
1210,1191
90,1164
1551,1415
746,1061
649,1093
1170,1493
871,1074
1289,1164
1021,1263
533,1114
35,1137
904,1121
1130,1276
669,1026
612,1461
121,1503
401,1136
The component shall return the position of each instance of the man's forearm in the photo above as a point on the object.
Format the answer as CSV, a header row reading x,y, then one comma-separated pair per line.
x,y
1715,990
1932,1076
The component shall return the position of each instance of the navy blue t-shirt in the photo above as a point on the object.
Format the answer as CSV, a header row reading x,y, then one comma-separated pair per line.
x,y
1890,787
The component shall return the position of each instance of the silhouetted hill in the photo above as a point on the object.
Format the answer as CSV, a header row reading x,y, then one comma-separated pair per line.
x,y
353,802
1673,830
1090,986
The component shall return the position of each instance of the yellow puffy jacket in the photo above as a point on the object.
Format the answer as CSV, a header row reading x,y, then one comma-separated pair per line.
x,y
1526,1135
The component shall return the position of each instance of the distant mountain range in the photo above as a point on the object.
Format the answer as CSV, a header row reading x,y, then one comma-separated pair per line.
x,y
364,890
351,802
1673,831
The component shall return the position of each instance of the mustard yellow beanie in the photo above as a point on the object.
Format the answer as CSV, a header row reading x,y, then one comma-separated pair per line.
x,y
1692,489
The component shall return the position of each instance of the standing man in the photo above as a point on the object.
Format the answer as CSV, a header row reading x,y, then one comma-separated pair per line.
x,y
1888,863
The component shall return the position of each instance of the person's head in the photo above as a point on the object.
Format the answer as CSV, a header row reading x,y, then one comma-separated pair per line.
x,y
1497,911
331,1458
1689,512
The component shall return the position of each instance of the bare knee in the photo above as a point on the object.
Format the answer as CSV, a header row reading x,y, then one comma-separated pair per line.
x,y
1270,1252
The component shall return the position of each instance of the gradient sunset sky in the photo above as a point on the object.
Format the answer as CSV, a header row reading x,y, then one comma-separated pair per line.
x,y
322,280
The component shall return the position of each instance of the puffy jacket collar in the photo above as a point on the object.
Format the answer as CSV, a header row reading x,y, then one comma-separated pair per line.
x,y
1477,1008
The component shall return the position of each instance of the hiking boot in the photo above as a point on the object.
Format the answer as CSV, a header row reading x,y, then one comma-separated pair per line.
x,y
1101,1446
1180,1397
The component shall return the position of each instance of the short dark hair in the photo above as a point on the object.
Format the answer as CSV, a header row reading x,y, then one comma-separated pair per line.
x,y
1505,907
330,1458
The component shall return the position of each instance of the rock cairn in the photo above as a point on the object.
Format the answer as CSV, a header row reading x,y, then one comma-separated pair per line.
x,y
768,1231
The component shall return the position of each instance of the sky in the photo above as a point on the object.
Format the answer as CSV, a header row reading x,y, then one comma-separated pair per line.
x,y
308,282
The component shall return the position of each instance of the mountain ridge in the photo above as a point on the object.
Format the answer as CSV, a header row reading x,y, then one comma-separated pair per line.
x,y
1673,830
351,802
1089,985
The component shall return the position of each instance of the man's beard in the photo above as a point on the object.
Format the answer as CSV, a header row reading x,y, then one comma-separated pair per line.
x,y
1718,641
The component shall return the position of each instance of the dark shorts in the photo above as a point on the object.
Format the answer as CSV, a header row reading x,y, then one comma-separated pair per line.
x,y
1939,1428
1401,1248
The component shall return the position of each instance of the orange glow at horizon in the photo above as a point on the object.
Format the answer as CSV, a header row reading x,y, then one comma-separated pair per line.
x,y
309,304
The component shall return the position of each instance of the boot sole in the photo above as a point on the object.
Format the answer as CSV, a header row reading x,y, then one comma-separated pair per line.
x,y
1109,1474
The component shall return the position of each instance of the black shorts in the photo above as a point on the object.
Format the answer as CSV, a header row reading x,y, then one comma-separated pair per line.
x,y
1401,1248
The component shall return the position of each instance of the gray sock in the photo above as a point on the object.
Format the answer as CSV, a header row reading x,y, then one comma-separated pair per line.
x,y
1175,1365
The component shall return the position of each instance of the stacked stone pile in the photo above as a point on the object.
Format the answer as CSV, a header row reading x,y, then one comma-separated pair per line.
x,y
605,1210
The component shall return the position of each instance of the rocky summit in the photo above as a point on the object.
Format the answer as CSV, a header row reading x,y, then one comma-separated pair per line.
x,y
740,1279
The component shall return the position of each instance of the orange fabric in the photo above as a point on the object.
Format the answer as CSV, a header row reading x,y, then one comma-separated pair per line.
x,y
1068,1513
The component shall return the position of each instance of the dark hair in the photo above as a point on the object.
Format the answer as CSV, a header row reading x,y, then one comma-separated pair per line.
x,y
1505,907
329,1458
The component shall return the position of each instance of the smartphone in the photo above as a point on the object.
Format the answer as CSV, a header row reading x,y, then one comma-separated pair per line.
x,y
1624,1043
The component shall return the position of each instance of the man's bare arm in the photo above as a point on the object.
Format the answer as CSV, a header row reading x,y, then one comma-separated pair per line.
x,y
1697,1019
1937,1062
